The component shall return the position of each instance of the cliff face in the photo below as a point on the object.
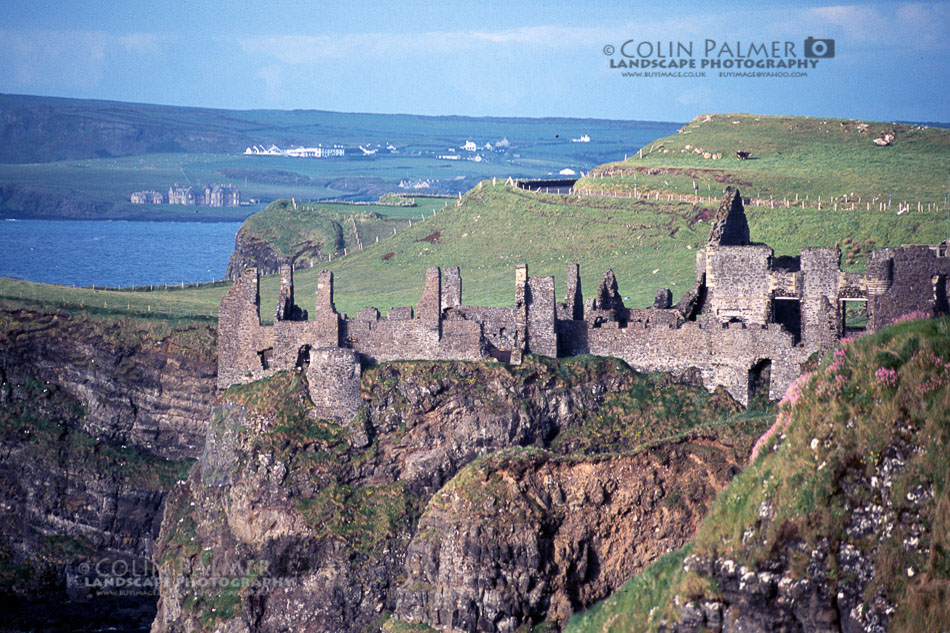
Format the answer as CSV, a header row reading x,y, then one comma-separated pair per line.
x,y
411,507
250,250
98,418
522,538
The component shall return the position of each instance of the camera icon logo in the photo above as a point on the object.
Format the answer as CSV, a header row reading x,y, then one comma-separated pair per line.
x,y
819,48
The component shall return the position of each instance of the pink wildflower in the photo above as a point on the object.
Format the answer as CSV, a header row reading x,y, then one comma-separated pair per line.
x,y
792,395
886,377
910,316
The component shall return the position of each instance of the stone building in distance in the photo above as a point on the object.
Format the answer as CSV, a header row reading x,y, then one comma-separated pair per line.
x,y
748,324
210,196
146,197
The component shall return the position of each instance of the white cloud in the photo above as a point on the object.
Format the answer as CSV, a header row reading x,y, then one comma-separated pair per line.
x,y
698,96
38,59
314,49
273,77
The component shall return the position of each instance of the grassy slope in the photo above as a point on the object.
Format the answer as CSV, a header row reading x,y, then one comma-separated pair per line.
x,y
810,157
854,416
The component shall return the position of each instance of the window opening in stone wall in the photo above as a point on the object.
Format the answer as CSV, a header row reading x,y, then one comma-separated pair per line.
x,y
788,313
854,316
941,297
303,358
760,378
267,357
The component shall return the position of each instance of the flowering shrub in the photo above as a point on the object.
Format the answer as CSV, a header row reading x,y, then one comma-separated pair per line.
x,y
792,395
911,316
886,377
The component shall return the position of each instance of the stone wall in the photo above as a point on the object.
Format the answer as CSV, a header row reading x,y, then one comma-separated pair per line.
x,y
333,374
737,278
906,279
751,318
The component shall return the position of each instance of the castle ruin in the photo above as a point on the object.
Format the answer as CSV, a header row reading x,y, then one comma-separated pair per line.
x,y
748,324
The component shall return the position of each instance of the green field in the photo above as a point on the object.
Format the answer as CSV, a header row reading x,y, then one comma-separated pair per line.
x,y
791,158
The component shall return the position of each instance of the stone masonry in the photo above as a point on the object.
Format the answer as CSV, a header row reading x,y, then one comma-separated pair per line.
x,y
748,324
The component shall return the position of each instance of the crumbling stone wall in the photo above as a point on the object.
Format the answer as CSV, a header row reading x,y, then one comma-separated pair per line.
x,y
333,374
906,279
241,339
750,317
737,279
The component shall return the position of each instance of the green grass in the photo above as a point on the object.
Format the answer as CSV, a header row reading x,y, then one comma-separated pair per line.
x,y
791,156
637,605
295,230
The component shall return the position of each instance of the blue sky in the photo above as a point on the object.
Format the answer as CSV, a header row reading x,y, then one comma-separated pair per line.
x,y
485,58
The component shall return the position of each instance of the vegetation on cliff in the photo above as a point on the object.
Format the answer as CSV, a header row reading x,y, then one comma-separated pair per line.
x,y
851,488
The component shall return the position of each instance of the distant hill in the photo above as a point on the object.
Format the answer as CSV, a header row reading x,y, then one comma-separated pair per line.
x,y
44,129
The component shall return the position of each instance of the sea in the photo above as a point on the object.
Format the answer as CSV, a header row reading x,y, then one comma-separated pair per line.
x,y
115,253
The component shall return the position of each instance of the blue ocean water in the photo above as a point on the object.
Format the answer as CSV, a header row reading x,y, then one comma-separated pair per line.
x,y
115,253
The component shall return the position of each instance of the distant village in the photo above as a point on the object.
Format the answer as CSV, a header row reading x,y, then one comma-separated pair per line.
x,y
334,151
209,196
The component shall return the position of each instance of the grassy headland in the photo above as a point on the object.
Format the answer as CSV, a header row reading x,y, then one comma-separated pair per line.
x,y
790,157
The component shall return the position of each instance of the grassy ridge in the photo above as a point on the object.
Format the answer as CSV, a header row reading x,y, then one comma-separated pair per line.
x,y
285,226
803,156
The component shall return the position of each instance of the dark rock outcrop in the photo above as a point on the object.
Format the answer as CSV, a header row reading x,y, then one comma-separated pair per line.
x,y
520,539
98,419
250,250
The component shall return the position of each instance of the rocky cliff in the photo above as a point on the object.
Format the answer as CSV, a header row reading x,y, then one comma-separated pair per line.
x,y
472,497
99,418
841,524
283,232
